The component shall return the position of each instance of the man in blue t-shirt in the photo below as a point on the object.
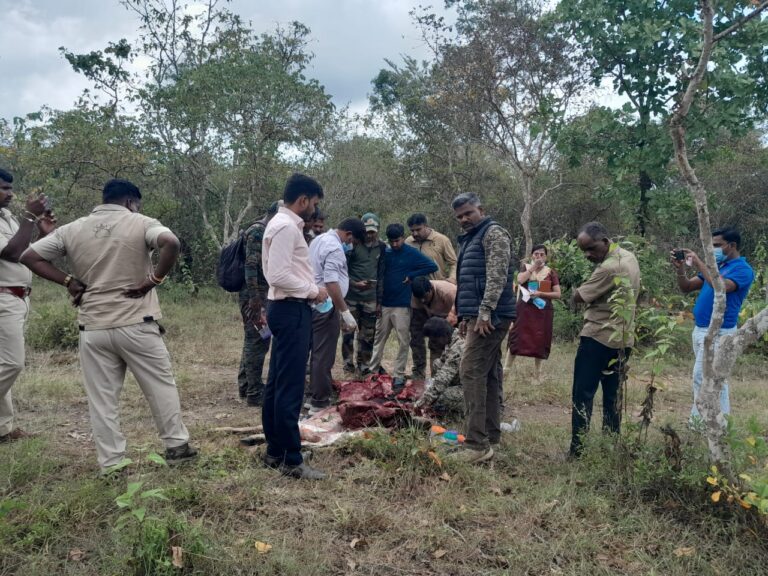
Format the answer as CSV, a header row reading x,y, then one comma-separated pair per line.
x,y
402,263
738,277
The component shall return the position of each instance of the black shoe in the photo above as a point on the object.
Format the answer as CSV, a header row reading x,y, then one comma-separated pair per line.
x,y
302,471
255,401
180,454
418,375
271,461
349,368
275,462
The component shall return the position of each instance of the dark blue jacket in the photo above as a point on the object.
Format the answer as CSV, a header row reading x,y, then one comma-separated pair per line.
x,y
408,262
471,278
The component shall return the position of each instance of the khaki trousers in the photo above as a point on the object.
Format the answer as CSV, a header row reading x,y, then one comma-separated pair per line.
x,y
13,315
104,356
398,319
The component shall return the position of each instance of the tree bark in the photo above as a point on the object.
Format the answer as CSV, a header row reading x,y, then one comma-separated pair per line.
x,y
527,214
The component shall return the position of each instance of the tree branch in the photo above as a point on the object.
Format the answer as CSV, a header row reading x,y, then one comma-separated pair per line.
x,y
739,23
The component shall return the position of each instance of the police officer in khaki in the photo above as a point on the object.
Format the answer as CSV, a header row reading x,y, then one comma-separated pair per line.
x,y
112,281
15,281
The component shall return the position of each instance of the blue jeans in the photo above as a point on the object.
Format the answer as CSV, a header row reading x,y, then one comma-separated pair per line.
x,y
291,326
698,369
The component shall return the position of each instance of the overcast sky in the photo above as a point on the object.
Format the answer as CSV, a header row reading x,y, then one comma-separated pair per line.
x,y
350,39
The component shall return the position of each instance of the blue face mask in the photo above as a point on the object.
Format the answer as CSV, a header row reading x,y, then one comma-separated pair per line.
x,y
347,247
719,256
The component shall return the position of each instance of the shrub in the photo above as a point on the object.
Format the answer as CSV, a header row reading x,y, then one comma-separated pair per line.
x,y
566,324
53,326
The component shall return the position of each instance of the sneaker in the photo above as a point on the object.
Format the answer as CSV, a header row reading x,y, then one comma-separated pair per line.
x,y
15,434
470,456
349,368
180,454
301,471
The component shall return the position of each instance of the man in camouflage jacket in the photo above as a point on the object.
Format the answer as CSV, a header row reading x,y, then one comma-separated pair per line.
x,y
253,299
444,394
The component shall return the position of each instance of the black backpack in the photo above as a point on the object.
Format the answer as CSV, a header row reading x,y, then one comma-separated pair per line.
x,y
230,272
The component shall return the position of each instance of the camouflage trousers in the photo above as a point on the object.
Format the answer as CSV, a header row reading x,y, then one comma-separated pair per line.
x,y
255,348
365,315
450,403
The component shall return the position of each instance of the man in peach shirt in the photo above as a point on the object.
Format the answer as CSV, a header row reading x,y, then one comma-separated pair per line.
x,y
292,289
433,298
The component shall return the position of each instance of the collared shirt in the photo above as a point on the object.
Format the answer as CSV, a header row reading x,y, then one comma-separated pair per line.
x,y
328,261
285,258
109,250
440,249
11,273
443,301
599,321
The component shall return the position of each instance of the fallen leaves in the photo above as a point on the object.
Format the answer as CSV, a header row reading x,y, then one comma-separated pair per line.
x,y
177,554
75,555
262,547
684,551
358,543
439,553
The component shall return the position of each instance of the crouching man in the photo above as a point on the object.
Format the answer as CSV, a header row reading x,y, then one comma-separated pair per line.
x,y
443,393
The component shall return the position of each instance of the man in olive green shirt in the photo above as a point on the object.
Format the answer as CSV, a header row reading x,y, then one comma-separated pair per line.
x,y
606,338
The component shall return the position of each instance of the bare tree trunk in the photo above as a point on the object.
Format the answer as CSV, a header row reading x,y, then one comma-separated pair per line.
x,y
717,365
527,214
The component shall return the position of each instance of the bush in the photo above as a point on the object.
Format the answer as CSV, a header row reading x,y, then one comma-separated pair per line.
x,y
566,324
53,326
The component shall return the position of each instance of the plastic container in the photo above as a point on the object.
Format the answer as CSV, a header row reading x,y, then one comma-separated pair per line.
x,y
265,332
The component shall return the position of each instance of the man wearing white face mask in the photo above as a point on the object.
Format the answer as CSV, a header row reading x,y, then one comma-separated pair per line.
x,y
329,264
738,277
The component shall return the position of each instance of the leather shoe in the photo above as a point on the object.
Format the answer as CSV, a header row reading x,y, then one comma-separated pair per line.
x,y
15,434
302,471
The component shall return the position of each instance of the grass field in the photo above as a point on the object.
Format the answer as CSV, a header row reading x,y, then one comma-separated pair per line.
x,y
387,507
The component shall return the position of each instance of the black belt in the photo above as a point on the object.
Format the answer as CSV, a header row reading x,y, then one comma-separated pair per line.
x,y
290,299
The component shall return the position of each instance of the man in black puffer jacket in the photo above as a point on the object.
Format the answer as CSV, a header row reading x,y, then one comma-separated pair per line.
x,y
485,305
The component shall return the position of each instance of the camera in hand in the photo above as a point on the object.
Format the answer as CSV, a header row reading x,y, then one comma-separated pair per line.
x,y
680,255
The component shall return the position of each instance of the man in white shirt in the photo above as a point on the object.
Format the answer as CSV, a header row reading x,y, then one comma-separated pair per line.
x,y
327,255
292,289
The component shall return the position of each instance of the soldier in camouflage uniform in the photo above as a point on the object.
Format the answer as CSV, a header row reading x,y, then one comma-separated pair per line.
x,y
364,262
444,394
253,297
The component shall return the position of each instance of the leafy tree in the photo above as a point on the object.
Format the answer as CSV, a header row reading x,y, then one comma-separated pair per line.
x,y
645,50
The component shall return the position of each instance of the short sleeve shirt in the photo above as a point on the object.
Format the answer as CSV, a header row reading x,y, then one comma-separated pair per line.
x,y
599,320
328,261
11,273
740,273
108,251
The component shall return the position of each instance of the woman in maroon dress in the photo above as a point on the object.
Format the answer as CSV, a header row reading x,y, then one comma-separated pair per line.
x,y
531,334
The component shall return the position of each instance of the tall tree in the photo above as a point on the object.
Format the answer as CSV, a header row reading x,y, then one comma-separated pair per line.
x,y
509,78
718,362
644,48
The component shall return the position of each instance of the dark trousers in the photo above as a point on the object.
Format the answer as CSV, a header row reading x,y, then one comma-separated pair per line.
x,y
325,337
595,364
255,348
481,377
419,317
291,324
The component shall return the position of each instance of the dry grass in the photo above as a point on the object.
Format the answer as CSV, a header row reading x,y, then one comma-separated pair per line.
x,y
384,510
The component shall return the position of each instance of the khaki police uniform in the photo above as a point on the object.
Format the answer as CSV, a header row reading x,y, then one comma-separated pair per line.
x,y
108,251
13,316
